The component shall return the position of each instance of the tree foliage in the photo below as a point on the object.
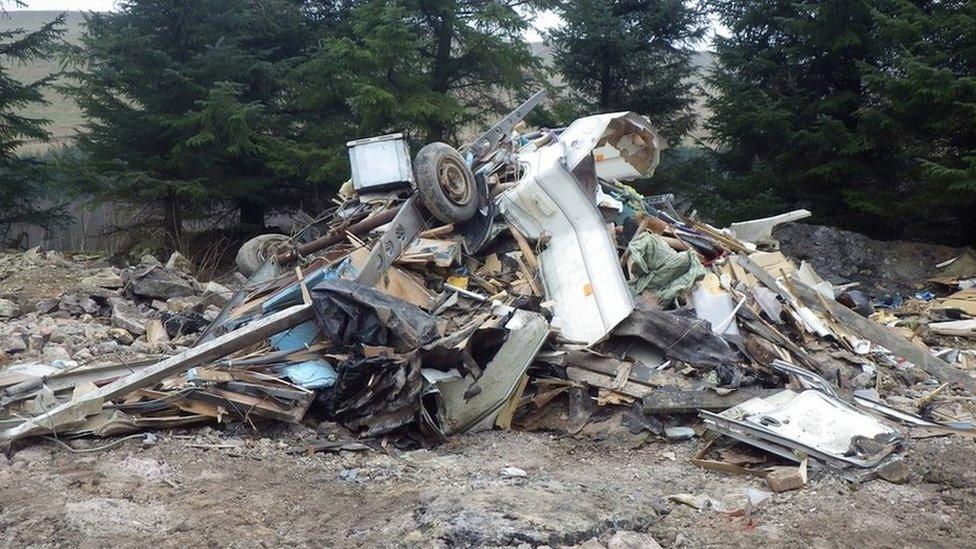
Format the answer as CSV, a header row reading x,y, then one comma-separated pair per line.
x,y
182,104
923,105
196,105
789,89
860,110
631,55
433,69
22,178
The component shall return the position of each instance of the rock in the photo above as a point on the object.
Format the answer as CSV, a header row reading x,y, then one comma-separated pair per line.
x,y
9,309
512,472
84,355
108,280
181,304
895,471
63,364
591,543
69,303
211,313
679,433
54,352
784,479
158,283
128,317
216,288
156,334
13,344
179,262
88,305
632,540
35,342
120,335
348,475
695,501
108,347
215,294
46,306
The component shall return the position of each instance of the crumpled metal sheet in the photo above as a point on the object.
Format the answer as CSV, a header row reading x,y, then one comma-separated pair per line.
x,y
679,337
348,313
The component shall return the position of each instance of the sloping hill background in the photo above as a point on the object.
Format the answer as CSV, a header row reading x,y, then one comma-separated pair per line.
x,y
63,114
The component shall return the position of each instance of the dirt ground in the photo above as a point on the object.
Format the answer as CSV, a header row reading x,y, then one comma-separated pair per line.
x,y
250,492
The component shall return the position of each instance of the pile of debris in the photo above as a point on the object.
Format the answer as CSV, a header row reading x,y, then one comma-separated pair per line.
x,y
105,314
513,281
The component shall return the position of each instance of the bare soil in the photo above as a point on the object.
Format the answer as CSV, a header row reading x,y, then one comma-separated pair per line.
x,y
250,492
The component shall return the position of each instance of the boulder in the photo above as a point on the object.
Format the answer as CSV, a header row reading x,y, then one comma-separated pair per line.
x,y
178,262
13,344
9,309
105,279
128,317
159,283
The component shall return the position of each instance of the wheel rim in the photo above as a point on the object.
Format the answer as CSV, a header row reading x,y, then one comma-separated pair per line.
x,y
453,181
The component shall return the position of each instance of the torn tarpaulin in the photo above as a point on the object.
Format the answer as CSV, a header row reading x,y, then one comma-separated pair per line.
x,y
348,312
680,337
656,268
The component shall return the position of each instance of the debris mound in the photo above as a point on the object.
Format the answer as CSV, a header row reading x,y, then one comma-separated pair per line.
x,y
498,286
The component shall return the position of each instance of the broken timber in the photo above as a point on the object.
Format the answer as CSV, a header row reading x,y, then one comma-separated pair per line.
x,y
862,327
90,403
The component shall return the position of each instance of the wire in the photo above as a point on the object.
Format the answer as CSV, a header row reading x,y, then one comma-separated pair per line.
x,y
112,444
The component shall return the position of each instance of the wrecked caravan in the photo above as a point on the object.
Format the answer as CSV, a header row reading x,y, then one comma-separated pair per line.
x,y
512,283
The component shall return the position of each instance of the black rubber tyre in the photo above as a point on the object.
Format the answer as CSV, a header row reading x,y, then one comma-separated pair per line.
x,y
445,183
255,251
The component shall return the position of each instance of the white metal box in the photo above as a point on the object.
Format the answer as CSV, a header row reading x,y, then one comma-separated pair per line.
x,y
380,163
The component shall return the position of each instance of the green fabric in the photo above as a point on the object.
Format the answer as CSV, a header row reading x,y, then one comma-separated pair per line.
x,y
658,269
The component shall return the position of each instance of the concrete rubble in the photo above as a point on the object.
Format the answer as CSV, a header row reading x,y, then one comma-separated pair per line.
x,y
516,284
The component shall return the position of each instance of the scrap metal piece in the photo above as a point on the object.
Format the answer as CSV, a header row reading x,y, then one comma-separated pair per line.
x,y
461,408
380,163
491,138
812,423
758,230
556,198
409,222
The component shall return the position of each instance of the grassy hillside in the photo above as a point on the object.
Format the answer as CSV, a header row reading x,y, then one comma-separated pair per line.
x,y
63,114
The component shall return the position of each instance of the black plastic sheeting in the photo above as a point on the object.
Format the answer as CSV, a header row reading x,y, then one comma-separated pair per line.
x,y
350,313
375,396
683,338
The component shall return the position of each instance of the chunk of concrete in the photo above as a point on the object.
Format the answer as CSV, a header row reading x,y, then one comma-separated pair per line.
x,y
179,262
108,280
157,283
632,540
128,317
9,309
784,479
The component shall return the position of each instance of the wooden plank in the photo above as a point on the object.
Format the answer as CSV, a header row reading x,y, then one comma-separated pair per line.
x,y
216,348
602,381
669,400
530,258
610,366
880,335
